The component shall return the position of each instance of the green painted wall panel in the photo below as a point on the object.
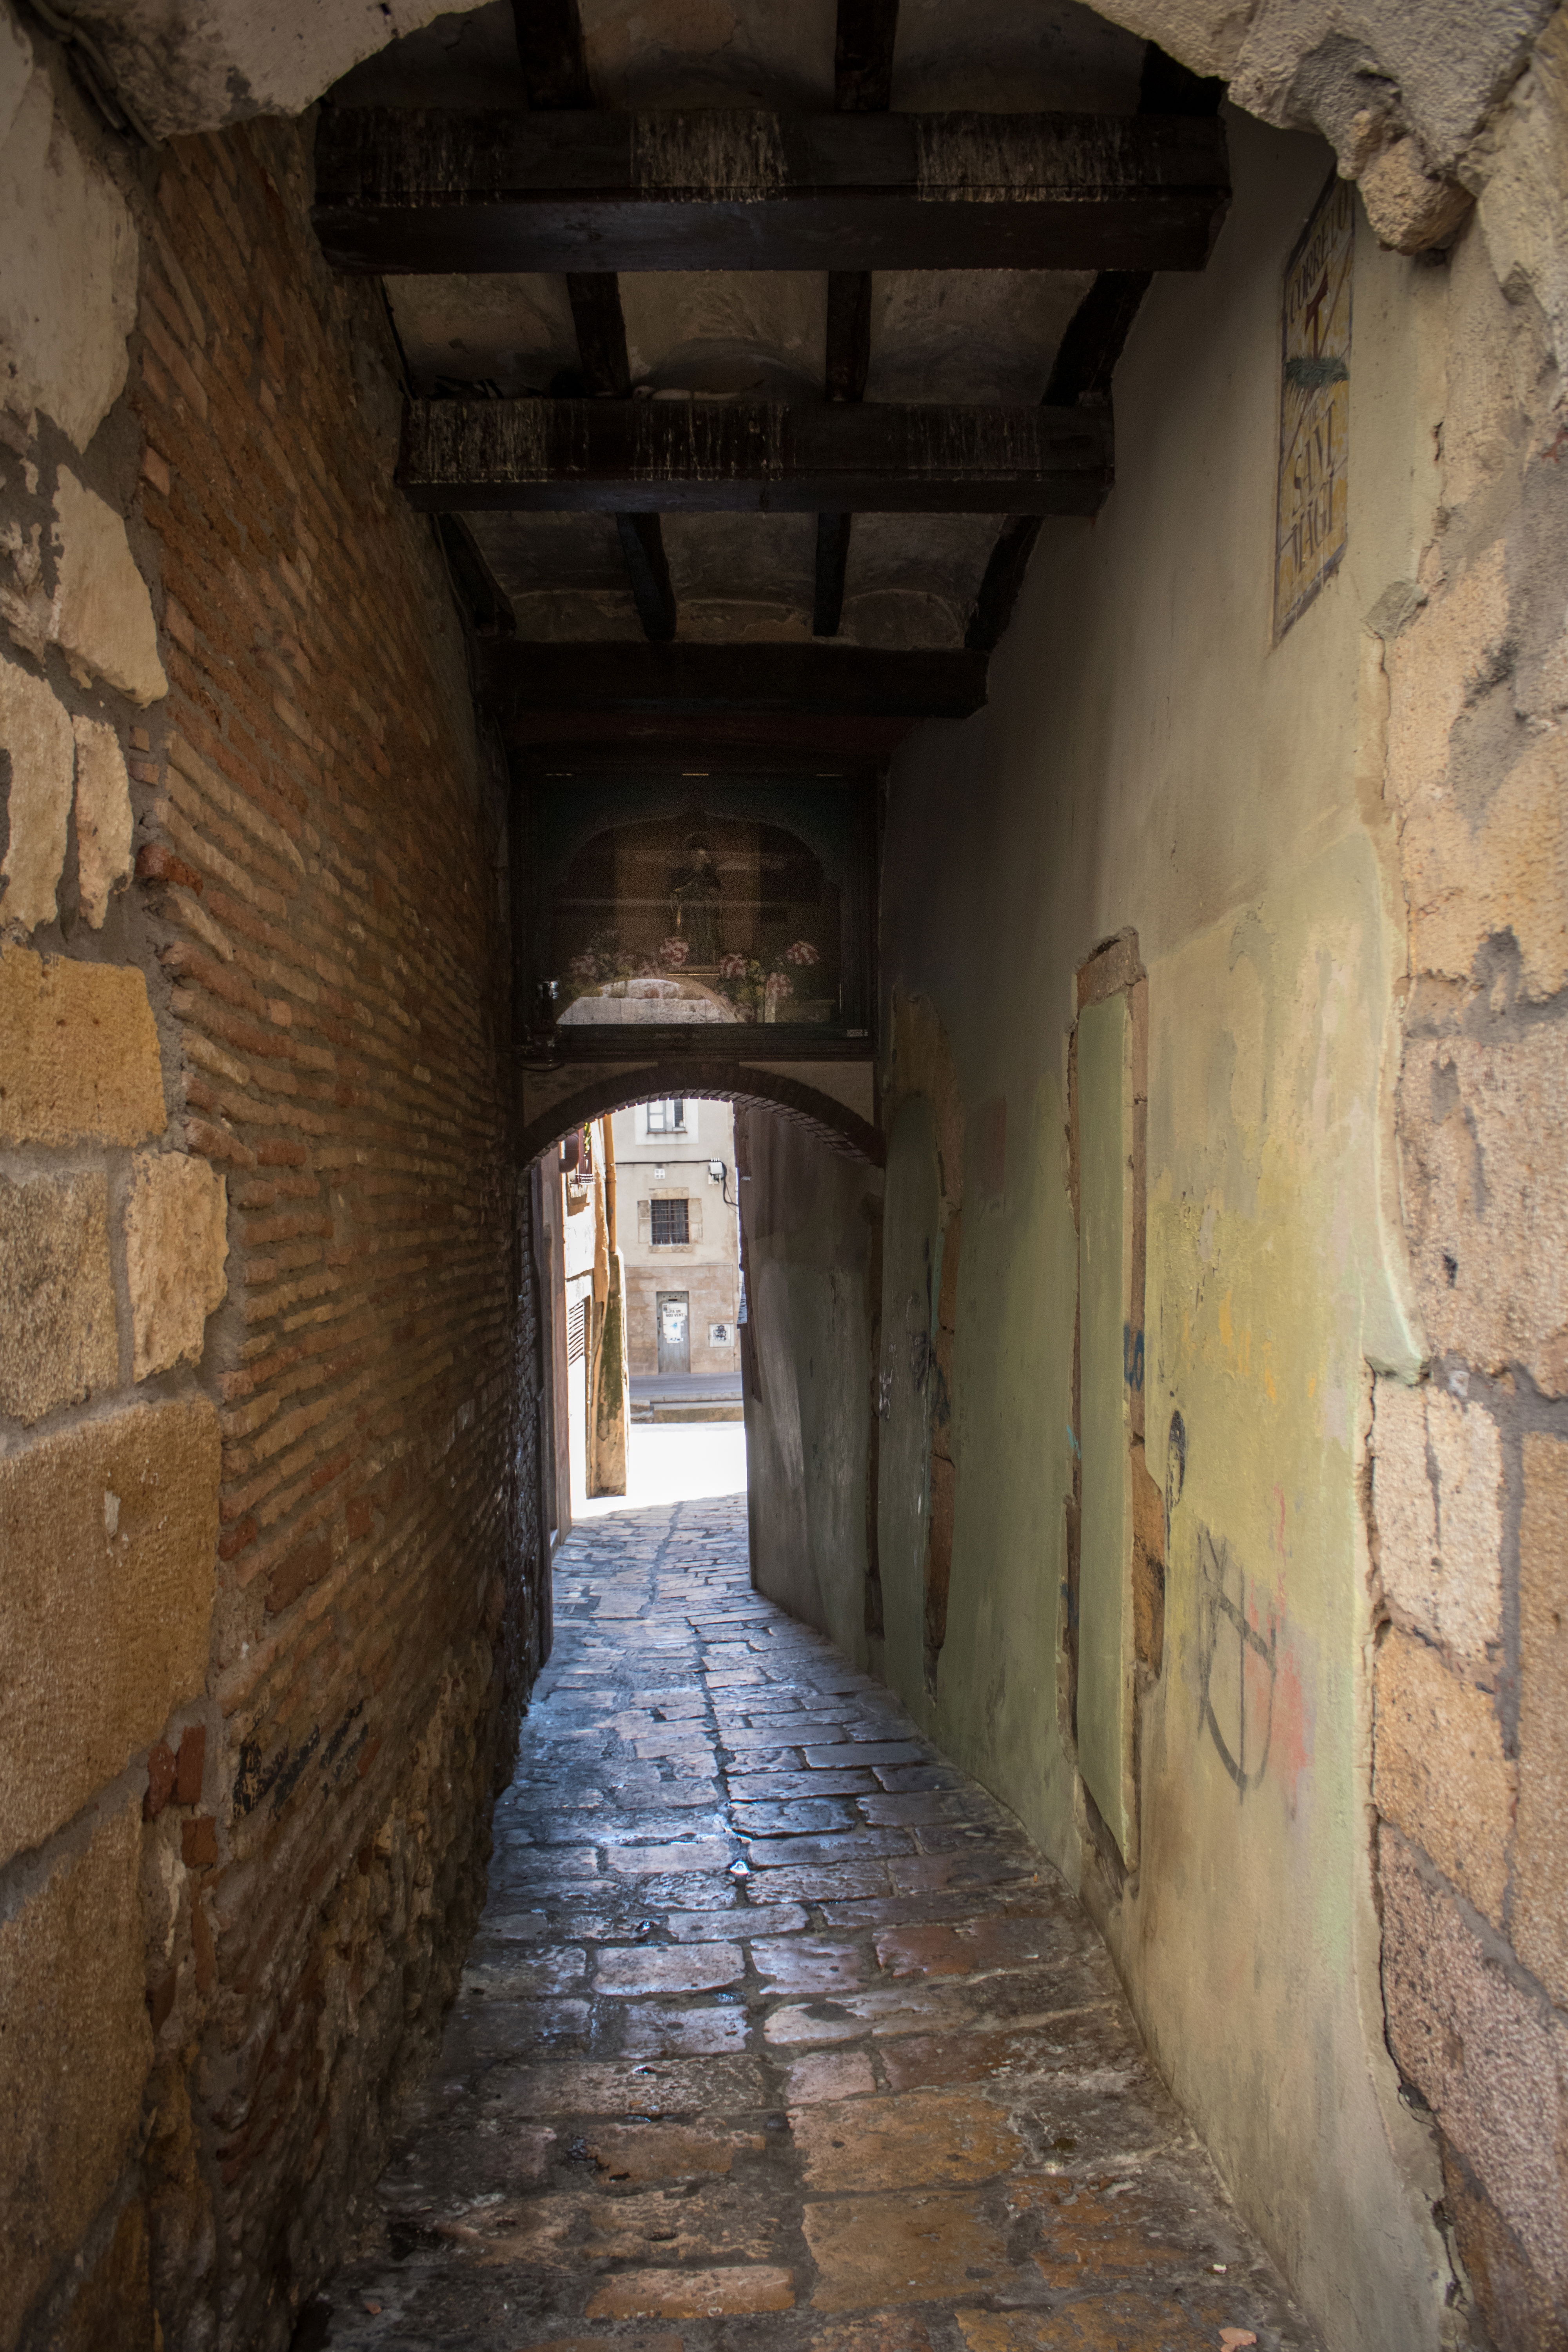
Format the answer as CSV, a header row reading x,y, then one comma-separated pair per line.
x,y
1105,1662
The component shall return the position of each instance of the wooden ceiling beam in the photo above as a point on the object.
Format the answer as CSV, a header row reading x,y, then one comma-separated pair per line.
x,y
554,64
648,569
1086,360
1082,372
719,457
403,191
848,359
863,56
650,741
862,83
549,51
772,693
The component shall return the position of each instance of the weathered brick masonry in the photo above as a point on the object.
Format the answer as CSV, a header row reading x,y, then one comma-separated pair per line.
x,y
246,1791
320,854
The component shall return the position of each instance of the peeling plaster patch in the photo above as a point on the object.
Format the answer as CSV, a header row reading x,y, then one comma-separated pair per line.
x,y
103,820
193,65
68,272
36,733
103,614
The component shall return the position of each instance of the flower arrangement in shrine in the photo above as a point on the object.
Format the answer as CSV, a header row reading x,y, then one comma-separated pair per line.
x,y
756,986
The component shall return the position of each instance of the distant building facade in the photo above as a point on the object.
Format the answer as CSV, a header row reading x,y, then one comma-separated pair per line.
x,y
679,1236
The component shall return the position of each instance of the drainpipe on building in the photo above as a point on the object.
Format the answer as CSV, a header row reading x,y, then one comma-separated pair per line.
x,y
608,1412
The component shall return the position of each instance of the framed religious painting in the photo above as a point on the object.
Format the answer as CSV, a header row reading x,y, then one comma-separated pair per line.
x,y
699,908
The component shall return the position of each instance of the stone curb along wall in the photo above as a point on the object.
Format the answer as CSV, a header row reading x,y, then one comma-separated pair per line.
x,y
269,1603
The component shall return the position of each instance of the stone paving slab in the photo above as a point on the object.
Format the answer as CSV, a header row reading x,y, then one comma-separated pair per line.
x,y
778,2034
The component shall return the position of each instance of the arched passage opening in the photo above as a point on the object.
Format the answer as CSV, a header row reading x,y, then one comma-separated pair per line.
x,y
833,1120
650,1274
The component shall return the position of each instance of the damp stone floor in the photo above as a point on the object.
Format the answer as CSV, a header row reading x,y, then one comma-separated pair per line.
x,y
778,2033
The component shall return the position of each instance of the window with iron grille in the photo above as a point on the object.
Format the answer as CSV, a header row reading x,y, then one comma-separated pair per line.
x,y
577,1332
668,1221
668,1117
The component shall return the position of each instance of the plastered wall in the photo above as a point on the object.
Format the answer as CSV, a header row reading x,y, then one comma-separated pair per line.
x,y
267,1365
811,1226
1340,861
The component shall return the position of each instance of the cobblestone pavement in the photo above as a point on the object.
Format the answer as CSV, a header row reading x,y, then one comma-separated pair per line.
x,y
778,2031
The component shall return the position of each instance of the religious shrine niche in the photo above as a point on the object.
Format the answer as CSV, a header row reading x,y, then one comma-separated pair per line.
x,y
678,903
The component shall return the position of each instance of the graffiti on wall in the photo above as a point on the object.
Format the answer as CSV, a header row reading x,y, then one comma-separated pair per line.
x,y
1238,1662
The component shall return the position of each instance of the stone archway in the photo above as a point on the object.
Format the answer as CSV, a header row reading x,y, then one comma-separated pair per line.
x,y
840,1127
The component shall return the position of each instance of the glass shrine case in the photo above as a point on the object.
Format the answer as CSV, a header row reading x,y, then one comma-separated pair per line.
x,y
674,903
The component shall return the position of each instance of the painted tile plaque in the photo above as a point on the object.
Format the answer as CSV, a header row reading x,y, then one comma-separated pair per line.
x,y
1312,512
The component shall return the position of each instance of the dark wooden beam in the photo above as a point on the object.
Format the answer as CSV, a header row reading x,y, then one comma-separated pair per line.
x,y
1000,584
1086,362
862,83
863,56
718,456
1087,356
1082,370
648,569
1167,88
775,699
849,357
848,334
768,743
554,62
832,568
596,313
550,50
488,605
409,190
694,681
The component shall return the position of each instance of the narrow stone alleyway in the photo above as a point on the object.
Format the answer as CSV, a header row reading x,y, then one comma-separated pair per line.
x,y
778,2031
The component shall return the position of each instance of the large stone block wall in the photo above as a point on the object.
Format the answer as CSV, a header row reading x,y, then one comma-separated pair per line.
x,y
1470,1488
268,1354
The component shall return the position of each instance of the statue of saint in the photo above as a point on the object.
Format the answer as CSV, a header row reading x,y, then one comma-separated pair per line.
x,y
695,891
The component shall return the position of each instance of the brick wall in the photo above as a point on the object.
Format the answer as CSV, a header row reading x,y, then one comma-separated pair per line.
x,y
269,1362
324,855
